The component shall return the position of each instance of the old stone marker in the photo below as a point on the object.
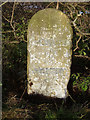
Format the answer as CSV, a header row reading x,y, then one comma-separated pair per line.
x,y
49,53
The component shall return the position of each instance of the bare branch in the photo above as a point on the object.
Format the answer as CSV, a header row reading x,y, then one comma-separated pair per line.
x,y
8,31
77,43
57,5
82,7
5,18
14,42
80,31
62,4
82,56
71,13
3,3
13,27
23,94
10,21
72,6
49,4
12,13
74,24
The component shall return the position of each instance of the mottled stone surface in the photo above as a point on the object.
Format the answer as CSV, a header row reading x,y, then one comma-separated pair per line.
x,y
49,53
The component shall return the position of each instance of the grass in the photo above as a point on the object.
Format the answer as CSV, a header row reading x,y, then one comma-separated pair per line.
x,y
45,111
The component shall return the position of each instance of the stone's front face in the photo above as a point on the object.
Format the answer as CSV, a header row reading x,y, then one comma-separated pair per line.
x,y
49,53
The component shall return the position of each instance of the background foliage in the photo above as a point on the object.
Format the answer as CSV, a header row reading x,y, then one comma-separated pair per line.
x,y
15,17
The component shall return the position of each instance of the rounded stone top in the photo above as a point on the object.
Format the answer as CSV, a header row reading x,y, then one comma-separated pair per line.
x,y
49,19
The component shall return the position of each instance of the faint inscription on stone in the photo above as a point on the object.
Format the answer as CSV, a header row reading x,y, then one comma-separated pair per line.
x,y
49,53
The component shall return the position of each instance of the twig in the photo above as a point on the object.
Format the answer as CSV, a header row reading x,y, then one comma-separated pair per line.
x,y
11,42
10,25
24,41
87,39
85,105
80,31
82,116
56,106
74,24
49,4
6,19
57,5
3,3
8,31
71,97
70,11
23,94
82,56
77,43
82,7
13,97
62,4
12,12
12,19
72,6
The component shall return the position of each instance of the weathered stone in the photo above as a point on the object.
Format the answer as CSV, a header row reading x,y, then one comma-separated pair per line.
x,y
49,53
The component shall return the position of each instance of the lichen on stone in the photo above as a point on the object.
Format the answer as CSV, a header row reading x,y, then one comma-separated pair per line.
x,y
49,53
